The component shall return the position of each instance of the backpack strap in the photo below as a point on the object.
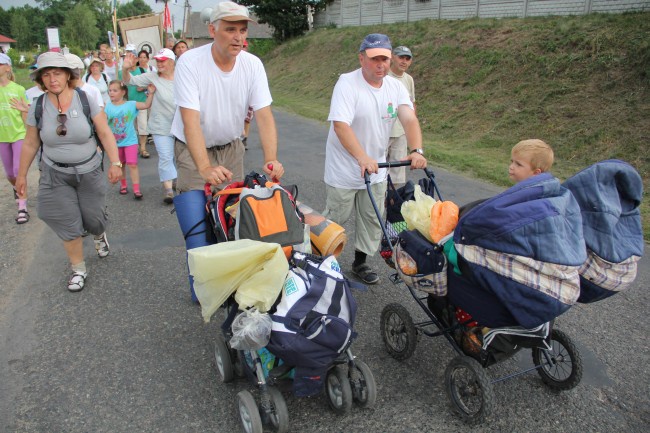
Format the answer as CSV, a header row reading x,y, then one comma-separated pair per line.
x,y
86,109
105,78
142,70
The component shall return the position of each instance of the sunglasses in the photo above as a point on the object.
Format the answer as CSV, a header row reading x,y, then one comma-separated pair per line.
x,y
61,130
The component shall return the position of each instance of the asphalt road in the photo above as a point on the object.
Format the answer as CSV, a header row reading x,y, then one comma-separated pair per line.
x,y
130,353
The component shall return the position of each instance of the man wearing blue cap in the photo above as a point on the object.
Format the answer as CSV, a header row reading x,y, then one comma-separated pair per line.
x,y
365,105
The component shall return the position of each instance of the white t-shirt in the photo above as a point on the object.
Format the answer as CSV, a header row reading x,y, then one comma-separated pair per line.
x,y
101,84
93,93
32,93
407,81
371,112
222,98
162,108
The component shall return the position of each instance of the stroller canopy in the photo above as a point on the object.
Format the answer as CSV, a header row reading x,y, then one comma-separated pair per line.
x,y
523,248
609,193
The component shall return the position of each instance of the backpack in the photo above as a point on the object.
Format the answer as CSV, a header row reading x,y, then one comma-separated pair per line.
x,y
38,114
264,212
313,322
103,76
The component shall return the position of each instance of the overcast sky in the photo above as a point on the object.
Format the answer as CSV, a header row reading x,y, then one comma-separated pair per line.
x,y
176,9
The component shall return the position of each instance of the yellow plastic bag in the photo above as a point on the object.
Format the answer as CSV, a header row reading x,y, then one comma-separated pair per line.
x,y
417,213
254,270
444,218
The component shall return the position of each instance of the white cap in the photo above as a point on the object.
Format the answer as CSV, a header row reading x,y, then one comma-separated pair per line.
x,y
229,11
131,47
165,54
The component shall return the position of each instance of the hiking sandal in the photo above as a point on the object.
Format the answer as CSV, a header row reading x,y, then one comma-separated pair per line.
x,y
365,273
124,190
23,216
77,281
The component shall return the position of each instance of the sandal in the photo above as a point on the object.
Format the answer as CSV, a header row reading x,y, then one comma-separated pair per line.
x,y
124,190
77,281
23,216
144,154
137,195
365,273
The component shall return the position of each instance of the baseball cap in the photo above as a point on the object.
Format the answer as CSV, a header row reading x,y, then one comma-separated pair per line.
x,y
376,44
165,54
229,11
131,47
402,51
5,59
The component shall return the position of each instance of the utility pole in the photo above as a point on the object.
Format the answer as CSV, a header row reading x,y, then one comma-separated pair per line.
x,y
187,15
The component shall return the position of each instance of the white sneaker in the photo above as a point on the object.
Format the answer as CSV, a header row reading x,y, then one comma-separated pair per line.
x,y
77,281
101,245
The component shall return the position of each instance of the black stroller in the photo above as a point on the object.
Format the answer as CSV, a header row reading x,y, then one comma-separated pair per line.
x,y
446,298
346,378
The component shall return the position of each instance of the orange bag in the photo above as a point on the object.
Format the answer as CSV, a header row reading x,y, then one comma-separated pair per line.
x,y
444,217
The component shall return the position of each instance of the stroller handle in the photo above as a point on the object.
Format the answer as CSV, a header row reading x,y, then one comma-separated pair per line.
x,y
389,164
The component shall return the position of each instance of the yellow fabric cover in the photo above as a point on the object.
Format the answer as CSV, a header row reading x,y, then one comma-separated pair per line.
x,y
254,270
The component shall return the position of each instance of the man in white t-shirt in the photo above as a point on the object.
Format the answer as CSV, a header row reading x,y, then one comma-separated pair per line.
x,y
365,104
213,87
399,64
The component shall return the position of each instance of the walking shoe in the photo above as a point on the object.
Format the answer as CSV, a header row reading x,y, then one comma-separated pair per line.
x,y
101,245
168,197
365,273
77,281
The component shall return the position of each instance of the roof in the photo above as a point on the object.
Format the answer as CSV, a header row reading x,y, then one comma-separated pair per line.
x,y
197,29
5,39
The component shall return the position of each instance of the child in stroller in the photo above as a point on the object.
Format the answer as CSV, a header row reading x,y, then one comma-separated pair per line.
x,y
284,355
506,314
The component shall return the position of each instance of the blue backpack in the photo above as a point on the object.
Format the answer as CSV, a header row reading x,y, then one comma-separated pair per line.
x,y
313,322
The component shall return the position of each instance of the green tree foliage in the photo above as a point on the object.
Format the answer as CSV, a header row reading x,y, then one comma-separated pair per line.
x,y
20,30
133,8
80,27
287,17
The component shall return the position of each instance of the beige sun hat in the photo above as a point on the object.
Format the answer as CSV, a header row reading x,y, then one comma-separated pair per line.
x,y
51,59
96,60
75,62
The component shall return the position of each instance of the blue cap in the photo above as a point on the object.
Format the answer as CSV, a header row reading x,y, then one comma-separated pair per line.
x,y
376,44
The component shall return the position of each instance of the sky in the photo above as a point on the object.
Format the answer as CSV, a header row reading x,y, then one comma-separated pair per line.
x,y
176,9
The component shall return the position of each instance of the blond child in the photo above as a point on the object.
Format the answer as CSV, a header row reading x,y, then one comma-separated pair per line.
x,y
529,158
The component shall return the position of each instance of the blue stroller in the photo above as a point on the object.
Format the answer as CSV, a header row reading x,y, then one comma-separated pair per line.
x,y
485,316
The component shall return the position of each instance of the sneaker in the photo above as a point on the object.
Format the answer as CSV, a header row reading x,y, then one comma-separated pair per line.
x,y
101,245
168,197
77,281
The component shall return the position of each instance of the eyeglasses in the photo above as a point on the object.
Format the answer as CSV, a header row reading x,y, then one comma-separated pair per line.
x,y
61,130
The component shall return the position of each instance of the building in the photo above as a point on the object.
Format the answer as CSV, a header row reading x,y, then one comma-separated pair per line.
x,y
5,43
197,31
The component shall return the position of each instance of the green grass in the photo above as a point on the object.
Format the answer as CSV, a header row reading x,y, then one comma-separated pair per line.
x,y
580,83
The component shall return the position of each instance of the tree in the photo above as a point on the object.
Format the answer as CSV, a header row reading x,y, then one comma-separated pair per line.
x,y
133,8
287,17
20,31
80,27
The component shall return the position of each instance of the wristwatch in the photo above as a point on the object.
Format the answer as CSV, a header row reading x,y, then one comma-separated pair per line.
x,y
117,164
420,151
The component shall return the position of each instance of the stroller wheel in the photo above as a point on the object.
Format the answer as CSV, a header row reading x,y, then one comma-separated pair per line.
x,y
469,389
248,413
339,391
277,414
561,367
362,381
223,361
398,331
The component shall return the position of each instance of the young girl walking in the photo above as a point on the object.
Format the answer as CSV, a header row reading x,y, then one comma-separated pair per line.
x,y
121,118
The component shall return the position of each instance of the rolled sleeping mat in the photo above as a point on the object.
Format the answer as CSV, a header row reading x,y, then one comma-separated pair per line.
x,y
327,237
191,214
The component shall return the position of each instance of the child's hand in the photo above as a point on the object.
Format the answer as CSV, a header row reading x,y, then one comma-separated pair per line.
x,y
151,89
19,104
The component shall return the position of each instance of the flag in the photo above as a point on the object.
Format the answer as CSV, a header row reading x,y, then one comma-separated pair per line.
x,y
167,18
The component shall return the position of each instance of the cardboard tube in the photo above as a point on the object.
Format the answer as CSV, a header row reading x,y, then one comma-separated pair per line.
x,y
326,236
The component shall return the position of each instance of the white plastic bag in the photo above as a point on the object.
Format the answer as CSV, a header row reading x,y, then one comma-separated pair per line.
x,y
251,330
417,213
